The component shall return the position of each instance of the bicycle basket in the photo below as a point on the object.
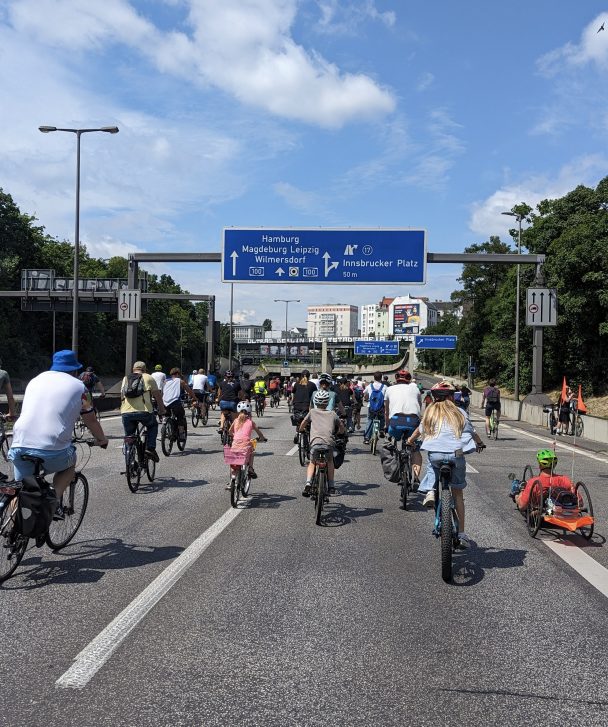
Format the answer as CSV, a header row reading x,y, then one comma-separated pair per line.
x,y
236,456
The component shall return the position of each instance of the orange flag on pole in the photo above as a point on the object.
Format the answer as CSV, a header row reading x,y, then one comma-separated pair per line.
x,y
564,387
582,409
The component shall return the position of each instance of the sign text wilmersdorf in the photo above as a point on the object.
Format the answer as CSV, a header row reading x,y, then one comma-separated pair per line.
x,y
321,255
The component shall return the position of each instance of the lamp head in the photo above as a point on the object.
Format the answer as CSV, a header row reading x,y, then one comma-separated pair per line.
x,y
47,129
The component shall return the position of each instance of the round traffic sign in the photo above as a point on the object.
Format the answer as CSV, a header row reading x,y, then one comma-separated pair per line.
x,y
533,308
123,306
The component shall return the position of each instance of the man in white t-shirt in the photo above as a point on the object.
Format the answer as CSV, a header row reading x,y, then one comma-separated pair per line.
x,y
159,376
172,399
402,404
52,403
200,387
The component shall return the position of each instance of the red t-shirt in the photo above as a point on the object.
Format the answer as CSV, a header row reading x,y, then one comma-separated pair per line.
x,y
553,482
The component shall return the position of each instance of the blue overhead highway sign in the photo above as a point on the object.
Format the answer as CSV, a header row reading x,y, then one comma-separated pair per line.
x,y
376,348
447,342
321,255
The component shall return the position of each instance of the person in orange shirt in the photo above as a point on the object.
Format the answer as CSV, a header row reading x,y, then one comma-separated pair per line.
x,y
562,488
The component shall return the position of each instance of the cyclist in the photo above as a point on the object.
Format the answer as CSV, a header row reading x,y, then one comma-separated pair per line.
x,y
491,402
462,397
212,384
229,395
175,387
190,376
357,404
326,384
260,391
5,386
52,403
241,430
324,425
562,488
345,401
91,380
300,399
159,376
374,394
137,392
201,389
447,434
246,386
385,381
274,387
402,405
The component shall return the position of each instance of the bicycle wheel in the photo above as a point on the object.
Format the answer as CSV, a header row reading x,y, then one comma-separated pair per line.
x,y
302,448
527,473
579,427
224,434
585,508
374,442
150,467
74,502
181,443
132,469
446,534
12,544
167,437
235,488
205,415
534,511
321,490
4,447
196,415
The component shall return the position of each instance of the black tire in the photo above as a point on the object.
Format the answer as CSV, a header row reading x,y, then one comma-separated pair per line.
x,y
74,501
181,443
150,468
320,500
167,437
12,544
205,416
224,435
446,535
374,443
246,485
4,447
235,485
582,491
132,468
196,415
528,474
302,448
552,423
534,511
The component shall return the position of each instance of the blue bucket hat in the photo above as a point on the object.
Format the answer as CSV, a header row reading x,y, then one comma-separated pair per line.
x,y
65,361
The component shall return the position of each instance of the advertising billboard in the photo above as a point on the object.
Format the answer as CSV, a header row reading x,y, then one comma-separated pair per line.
x,y
406,318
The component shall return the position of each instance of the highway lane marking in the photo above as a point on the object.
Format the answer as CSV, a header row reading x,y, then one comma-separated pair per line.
x,y
583,564
472,469
293,450
88,662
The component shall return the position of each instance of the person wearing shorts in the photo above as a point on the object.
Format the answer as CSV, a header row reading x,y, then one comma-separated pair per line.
x,y
402,404
229,396
491,402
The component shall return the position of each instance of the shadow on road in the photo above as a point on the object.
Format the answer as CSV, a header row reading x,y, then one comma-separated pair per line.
x,y
267,501
354,488
336,515
84,562
469,566
160,483
554,697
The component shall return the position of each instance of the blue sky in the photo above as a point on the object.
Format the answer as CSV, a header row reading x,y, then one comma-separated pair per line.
x,y
281,113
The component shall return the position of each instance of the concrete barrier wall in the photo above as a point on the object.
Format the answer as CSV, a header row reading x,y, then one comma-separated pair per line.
x,y
595,428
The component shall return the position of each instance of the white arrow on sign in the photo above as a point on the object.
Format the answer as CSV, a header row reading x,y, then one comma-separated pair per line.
x,y
279,272
234,256
329,266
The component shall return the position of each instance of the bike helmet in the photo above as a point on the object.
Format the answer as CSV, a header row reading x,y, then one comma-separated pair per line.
x,y
229,374
546,458
158,367
320,397
325,377
243,406
403,374
442,390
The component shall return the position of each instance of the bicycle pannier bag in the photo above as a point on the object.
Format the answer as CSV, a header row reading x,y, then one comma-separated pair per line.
x,y
134,386
389,458
35,509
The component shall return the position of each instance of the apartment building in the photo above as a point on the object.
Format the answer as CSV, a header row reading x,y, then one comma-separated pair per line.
x,y
333,320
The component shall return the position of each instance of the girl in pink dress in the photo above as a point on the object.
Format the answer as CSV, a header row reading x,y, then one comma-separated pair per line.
x,y
241,430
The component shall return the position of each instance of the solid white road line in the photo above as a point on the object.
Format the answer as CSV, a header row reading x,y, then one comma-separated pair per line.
x,y
472,469
94,656
582,563
293,450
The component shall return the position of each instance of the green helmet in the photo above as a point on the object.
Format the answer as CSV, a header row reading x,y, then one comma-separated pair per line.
x,y
158,367
546,457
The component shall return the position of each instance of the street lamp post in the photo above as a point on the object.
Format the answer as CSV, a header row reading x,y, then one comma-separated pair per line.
x,y
518,217
287,302
78,132
314,340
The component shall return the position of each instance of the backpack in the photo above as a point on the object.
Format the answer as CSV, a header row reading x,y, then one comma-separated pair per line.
x,y
358,395
134,387
376,400
35,509
389,458
493,395
88,379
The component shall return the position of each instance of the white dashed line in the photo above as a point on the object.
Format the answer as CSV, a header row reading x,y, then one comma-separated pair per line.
x,y
583,564
293,450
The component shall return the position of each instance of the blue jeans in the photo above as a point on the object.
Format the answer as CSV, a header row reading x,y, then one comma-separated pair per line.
x,y
129,423
459,472
370,422
54,460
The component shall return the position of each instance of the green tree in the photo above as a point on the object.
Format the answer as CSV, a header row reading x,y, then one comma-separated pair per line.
x,y
267,324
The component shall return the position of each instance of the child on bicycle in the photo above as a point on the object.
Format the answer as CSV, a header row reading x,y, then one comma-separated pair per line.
x,y
562,488
241,430
447,434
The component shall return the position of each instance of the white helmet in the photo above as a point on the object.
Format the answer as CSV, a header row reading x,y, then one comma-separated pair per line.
x,y
243,406
320,397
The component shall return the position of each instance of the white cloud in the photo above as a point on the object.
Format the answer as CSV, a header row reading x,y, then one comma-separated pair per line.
x,y
245,49
487,217
244,316
301,200
345,18
592,48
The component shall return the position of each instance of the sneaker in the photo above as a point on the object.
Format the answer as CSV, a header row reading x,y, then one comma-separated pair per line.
x,y
306,491
41,539
3,477
59,514
366,441
252,475
415,484
295,439
429,500
152,454
220,430
464,541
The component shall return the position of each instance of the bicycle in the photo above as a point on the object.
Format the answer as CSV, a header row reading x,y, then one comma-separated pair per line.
x,y
375,433
73,502
225,437
577,426
493,428
137,460
200,412
319,485
406,478
551,412
241,484
170,434
446,520
4,445
303,439
80,427
260,405
275,399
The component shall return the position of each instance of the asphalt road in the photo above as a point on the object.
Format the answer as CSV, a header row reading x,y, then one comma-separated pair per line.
x,y
275,621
